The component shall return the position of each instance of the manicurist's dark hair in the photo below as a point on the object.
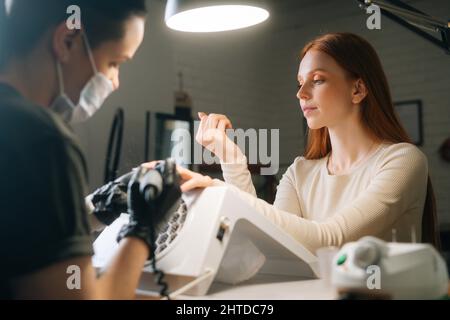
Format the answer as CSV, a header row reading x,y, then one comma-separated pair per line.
x,y
24,22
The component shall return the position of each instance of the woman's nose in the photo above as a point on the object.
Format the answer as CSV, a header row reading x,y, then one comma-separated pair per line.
x,y
303,94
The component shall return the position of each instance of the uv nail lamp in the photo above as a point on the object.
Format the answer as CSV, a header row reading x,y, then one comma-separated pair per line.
x,y
401,270
195,241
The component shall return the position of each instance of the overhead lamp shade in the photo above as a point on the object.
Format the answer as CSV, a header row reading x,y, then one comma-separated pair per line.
x,y
214,15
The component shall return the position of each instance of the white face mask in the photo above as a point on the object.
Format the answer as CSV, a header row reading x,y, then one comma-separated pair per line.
x,y
92,97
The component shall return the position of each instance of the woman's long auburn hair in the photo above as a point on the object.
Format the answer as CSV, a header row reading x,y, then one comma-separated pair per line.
x,y
355,55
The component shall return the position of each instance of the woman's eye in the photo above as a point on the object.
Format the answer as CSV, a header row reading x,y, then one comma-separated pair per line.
x,y
114,64
318,81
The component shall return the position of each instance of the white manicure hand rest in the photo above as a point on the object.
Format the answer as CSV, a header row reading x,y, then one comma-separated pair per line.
x,y
215,216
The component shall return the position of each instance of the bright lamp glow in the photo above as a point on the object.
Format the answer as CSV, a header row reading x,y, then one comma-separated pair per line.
x,y
217,18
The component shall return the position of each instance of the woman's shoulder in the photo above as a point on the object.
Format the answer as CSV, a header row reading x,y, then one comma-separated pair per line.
x,y
302,166
407,153
402,148
301,161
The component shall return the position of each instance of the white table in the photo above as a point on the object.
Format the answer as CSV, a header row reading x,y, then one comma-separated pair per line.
x,y
263,287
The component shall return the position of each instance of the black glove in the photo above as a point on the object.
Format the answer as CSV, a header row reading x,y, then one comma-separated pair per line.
x,y
110,200
153,194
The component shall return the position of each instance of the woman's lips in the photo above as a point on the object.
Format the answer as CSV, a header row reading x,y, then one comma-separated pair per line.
x,y
308,110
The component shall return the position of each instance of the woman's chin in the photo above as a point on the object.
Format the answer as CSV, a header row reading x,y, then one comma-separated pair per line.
x,y
313,125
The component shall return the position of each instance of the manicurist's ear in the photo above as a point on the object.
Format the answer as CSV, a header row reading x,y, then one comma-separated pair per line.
x,y
359,91
64,42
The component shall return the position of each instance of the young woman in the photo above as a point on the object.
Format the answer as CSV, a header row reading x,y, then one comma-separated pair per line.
x,y
359,175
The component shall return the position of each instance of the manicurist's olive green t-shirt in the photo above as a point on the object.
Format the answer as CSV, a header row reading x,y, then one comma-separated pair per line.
x,y
43,217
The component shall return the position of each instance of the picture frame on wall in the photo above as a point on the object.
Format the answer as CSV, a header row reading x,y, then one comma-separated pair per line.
x,y
410,115
166,124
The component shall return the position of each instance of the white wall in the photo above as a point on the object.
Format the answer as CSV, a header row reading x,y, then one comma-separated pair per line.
x,y
250,75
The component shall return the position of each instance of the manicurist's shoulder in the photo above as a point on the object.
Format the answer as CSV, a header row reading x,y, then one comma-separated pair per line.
x,y
24,123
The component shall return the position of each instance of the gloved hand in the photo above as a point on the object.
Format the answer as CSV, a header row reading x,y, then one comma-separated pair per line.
x,y
110,200
153,194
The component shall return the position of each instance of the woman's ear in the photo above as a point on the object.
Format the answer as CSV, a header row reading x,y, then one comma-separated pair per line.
x,y
359,91
63,42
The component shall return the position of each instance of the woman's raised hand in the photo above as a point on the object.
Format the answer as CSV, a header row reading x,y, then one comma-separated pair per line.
x,y
212,135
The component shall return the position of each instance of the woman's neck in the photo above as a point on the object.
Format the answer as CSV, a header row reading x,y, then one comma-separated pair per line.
x,y
351,145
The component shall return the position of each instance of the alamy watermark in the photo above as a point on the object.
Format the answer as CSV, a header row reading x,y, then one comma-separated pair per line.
x,y
374,279
374,20
73,22
262,147
74,280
